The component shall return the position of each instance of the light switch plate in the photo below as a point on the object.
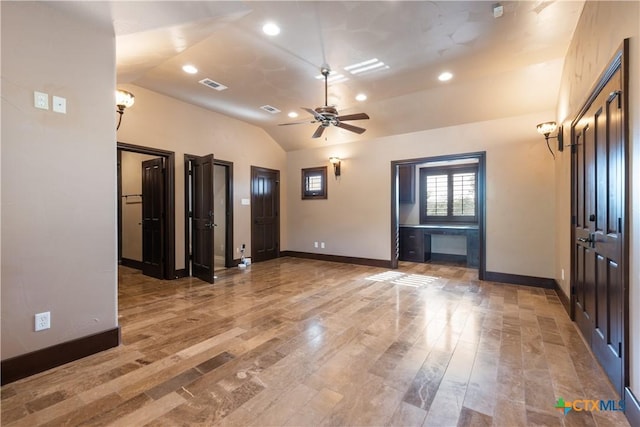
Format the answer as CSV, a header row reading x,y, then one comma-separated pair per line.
x,y
59,104
40,100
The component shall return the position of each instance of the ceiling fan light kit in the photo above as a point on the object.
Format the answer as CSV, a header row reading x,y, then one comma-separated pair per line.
x,y
328,115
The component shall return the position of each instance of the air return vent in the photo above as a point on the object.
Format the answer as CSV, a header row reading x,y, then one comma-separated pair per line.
x,y
270,109
213,84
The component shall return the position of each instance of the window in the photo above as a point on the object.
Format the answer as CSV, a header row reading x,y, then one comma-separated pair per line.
x,y
314,183
449,194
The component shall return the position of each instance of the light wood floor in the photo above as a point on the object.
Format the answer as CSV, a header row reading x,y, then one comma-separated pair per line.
x,y
302,342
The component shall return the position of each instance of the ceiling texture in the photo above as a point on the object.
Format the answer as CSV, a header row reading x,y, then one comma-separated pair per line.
x,y
502,66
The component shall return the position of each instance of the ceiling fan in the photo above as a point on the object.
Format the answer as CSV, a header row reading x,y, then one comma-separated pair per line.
x,y
327,115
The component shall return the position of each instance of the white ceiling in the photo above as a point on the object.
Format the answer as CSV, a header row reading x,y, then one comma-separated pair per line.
x,y
502,66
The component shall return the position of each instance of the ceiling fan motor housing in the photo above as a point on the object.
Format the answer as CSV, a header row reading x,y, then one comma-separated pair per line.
x,y
328,111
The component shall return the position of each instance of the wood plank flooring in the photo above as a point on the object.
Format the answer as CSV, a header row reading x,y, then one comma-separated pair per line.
x,y
294,342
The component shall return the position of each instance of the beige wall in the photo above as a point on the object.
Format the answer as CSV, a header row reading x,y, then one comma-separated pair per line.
x,y
58,178
600,31
355,219
131,172
159,121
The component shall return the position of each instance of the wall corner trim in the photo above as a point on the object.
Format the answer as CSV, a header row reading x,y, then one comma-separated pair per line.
x,y
25,365
631,407
564,299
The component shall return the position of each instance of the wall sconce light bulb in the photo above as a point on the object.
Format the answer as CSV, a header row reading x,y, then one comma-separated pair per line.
x,y
335,161
546,129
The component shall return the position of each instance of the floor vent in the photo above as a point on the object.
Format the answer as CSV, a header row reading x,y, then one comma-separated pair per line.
x,y
213,84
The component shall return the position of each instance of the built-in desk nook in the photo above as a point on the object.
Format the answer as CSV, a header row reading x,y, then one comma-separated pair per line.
x,y
415,241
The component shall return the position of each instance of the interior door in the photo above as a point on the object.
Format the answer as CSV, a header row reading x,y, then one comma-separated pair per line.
x,y
265,205
153,206
599,185
202,218
221,213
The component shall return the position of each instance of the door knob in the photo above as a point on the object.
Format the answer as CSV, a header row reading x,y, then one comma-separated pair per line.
x,y
591,240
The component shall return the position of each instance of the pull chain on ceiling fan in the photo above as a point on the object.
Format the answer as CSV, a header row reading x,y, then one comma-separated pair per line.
x,y
327,115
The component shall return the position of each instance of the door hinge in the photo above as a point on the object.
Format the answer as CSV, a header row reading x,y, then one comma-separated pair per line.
x,y
190,214
190,172
573,290
620,225
573,220
620,349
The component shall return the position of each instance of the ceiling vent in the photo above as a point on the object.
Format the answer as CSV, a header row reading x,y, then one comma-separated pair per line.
x,y
213,84
270,109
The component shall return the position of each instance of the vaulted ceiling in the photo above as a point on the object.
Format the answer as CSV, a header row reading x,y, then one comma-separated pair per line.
x,y
501,66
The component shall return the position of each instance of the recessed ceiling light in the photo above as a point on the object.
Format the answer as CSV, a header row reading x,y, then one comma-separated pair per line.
x,y
293,114
446,76
361,97
271,29
189,69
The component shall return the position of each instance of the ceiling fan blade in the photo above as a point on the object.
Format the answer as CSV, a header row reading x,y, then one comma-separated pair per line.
x,y
298,123
314,113
318,132
351,128
358,116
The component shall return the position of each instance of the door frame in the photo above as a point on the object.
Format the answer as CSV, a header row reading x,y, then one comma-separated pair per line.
x,y
619,61
169,198
481,156
228,239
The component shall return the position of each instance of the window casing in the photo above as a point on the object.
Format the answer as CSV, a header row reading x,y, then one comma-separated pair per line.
x,y
314,183
449,194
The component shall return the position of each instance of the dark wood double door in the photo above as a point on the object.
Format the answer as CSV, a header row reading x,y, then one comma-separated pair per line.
x,y
599,254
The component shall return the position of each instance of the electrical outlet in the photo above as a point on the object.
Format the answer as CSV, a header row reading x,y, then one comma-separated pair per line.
x,y
562,274
315,244
322,245
41,100
42,321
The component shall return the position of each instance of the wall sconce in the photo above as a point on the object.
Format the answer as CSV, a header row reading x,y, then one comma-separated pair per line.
x,y
124,100
335,161
546,129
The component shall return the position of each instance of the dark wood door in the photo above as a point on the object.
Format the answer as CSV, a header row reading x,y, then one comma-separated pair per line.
x,y
202,219
598,188
265,206
153,207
